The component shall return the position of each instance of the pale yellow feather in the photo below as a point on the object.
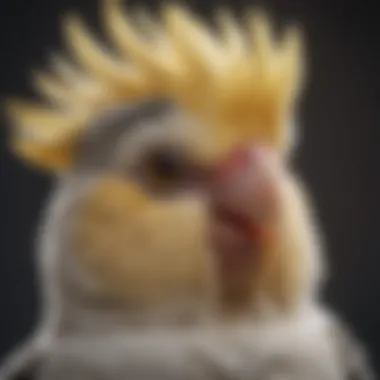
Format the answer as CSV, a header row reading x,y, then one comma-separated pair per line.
x,y
98,61
41,125
248,85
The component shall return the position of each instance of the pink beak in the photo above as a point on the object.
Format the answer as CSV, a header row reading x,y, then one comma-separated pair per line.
x,y
243,195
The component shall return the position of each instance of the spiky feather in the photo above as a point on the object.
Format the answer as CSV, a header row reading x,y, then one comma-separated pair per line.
x,y
247,85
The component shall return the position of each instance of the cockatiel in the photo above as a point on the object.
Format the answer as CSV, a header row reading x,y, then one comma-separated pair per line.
x,y
178,243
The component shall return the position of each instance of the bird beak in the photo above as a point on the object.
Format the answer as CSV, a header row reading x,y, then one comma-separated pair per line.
x,y
243,197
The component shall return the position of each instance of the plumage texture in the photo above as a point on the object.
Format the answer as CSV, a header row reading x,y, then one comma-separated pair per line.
x,y
130,281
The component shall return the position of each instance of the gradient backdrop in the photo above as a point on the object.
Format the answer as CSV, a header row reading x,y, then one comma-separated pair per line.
x,y
339,156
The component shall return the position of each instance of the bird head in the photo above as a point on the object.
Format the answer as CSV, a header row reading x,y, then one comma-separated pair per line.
x,y
177,146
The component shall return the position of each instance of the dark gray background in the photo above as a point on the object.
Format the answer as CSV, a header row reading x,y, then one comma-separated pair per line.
x,y
338,158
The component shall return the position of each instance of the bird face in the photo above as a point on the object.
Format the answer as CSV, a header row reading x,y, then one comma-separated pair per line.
x,y
180,202
171,214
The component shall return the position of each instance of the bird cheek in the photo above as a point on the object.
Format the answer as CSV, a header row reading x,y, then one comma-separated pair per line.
x,y
103,217
142,248
114,197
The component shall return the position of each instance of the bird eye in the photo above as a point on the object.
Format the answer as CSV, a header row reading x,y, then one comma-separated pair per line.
x,y
165,165
165,169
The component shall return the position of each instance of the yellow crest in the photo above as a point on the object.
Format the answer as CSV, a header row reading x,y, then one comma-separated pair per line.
x,y
236,80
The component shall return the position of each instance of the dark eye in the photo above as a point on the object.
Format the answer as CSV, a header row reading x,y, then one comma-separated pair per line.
x,y
166,168
165,165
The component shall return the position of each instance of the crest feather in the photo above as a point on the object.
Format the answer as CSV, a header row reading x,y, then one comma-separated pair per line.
x,y
66,70
235,44
39,124
246,82
53,89
95,58
134,46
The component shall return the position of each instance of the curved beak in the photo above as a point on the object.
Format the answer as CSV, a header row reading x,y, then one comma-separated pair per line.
x,y
243,202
